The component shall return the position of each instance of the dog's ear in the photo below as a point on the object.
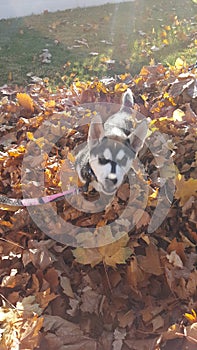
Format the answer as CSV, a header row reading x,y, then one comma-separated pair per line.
x,y
96,131
127,100
138,136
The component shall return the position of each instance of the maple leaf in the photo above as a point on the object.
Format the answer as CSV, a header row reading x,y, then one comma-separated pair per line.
x,y
87,256
110,254
116,253
185,189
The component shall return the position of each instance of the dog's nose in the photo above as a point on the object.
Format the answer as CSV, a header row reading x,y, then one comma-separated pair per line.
x,y
112,178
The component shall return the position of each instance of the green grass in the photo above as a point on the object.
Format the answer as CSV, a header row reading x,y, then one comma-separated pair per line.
x,y
168,26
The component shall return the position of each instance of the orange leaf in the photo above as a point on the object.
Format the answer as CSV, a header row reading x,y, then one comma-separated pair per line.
x,y
25,101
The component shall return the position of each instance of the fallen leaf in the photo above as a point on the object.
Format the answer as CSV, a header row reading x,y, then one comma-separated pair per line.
x,y
174,259
110,254
151,262
65,284
25,101
185,189
90,301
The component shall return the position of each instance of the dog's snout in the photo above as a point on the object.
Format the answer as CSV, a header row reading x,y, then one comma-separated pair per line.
x,y
114,181
112,178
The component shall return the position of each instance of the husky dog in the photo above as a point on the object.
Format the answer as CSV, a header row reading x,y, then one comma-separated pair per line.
x,y
111,148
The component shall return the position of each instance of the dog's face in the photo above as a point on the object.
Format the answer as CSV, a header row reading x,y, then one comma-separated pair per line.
x,y
110,161
112,147
111,156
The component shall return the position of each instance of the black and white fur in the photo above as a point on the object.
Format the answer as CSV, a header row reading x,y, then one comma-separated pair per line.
x,y
111,148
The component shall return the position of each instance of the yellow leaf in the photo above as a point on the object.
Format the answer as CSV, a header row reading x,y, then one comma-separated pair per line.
x,y
165,42
144,97
124,76
87,256
172,101
40,141
116,252
30,136
138,80
49,104
120,87
119,257
179,63
16,152
185,189
25,101
166,95
191,317
153,196
110,254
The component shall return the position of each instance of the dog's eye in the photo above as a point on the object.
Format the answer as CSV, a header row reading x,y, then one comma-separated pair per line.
x,y
103,160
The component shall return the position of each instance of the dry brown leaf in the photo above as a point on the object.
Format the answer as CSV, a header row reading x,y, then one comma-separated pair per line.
x,y
65,284
68,332
134,275
90,301
141,218
51,276
157,322
179,247
126,319
151,262
44,298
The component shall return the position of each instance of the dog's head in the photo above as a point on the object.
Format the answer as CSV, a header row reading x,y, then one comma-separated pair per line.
x,y
112,149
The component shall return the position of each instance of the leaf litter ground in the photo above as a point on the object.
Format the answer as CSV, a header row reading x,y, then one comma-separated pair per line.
x,y
138,292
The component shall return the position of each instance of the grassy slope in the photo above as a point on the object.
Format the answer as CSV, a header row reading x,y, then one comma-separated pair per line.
x,y
22,40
